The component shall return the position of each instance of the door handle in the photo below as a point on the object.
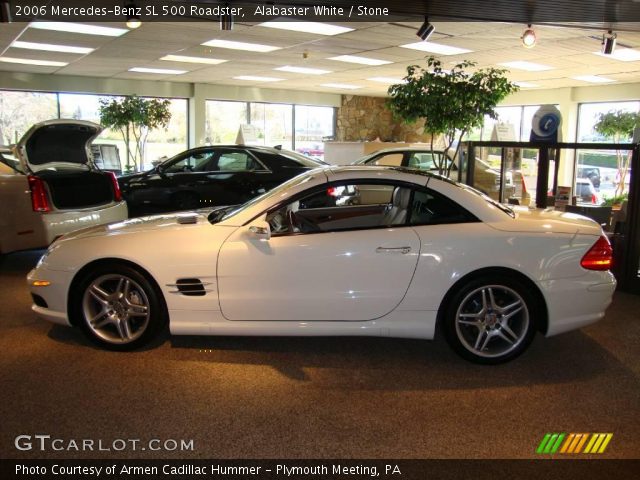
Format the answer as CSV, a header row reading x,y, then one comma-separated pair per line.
x,y
402,250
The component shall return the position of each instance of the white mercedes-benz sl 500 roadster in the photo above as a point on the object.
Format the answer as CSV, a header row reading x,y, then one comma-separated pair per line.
x,y
377,251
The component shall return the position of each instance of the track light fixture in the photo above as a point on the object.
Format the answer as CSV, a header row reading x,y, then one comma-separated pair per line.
x,y
425,31
5,12
529,37
609,42
226,22
133,19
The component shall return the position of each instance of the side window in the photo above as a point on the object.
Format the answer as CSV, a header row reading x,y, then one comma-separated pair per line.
x,y
237,162
430,207
389,159
197,162
427,161
338,207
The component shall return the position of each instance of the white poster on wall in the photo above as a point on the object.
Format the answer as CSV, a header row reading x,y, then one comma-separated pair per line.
x,y
247,134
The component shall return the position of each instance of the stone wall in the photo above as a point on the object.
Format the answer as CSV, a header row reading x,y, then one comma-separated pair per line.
x,y
367,118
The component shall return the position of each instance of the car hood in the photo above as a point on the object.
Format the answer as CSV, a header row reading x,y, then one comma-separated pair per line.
x,y
536,220
146,224
58,143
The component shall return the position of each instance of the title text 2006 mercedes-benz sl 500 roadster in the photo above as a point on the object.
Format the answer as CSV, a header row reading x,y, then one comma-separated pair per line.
x,y
409,252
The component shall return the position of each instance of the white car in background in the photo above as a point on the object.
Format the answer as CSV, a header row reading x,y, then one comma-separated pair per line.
x,y
49,186
427,251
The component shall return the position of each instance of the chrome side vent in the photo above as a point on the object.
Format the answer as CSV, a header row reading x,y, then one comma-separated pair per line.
x,y
191,287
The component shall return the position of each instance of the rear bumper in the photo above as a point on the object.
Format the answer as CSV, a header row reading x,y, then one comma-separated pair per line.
x,y
575,303
59,223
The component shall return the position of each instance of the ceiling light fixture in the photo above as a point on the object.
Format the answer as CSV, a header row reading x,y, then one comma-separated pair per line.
x,y
162,71
186,59
49,47
425,31
308,27
593,79
360,60
436,48
30,61
386,80
133,20
79,28
247,47
608,42
526,66
529,37
254,78
304,70
342,86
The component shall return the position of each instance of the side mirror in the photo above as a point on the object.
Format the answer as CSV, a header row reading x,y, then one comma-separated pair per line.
x,y
260,230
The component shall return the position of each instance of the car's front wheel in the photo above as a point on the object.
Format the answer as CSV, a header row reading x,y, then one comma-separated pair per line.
x,y
118,307
490,320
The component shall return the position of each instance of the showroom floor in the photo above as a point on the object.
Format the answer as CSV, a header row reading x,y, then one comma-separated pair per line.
x,y
313,398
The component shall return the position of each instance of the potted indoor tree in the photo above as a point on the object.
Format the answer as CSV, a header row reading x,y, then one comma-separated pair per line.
x,y
134,118
451,102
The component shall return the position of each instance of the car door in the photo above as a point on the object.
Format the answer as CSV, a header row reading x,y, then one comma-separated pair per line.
x,y
336,262
236,176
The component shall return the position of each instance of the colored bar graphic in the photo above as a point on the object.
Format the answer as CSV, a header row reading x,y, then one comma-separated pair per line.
x,y
573,443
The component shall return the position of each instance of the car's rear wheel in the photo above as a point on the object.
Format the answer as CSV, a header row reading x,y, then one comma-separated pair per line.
x,y
490,320
186,201
118,308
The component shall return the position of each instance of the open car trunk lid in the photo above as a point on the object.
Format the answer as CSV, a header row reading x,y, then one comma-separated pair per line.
x,y
63,144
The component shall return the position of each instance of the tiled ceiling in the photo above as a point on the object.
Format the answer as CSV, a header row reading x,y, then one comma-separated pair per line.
x,y
569,51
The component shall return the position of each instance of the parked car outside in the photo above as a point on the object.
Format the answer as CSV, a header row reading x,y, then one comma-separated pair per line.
x,y
211,176
432,252
586,192
50,186
592,173
487,179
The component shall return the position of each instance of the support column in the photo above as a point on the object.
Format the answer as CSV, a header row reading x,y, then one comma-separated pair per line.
x,y
197,116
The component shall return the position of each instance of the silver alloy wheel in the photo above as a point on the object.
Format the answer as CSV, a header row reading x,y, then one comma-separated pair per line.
x,y
492,321
116,308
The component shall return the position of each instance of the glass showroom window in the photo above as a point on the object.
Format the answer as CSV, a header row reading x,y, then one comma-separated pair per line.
x,y
274,123
161,142
608,170
312,124
20,110
223,121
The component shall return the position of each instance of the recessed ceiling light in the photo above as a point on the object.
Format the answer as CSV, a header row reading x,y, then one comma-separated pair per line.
x,y
251,78
164,71
49,47
308,27
345,86
387,80
29,61
360,60
622,54
526,84
79,28
593,79
436,48
308,71
528,66
186,59
247,47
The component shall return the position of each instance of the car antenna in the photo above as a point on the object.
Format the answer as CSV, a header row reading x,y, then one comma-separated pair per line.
x,y
278,147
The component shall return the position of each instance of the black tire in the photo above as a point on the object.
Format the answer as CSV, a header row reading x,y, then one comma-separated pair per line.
x,y
491,319
186,201
129,317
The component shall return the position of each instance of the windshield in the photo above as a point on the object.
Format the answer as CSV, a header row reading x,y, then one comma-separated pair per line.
x,y
500,206
228,212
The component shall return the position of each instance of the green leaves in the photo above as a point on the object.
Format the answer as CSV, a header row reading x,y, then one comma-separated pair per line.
x,y
136,116
617,124
451,101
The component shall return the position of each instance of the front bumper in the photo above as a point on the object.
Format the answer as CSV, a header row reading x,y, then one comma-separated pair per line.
x,y
54,295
